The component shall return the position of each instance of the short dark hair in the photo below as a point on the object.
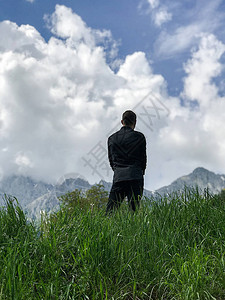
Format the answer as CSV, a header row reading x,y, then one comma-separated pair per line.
x,y
129,118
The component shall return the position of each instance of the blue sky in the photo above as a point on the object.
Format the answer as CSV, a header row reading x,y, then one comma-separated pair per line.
x,y
102,57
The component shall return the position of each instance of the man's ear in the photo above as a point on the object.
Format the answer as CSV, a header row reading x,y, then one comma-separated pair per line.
x,y
122,122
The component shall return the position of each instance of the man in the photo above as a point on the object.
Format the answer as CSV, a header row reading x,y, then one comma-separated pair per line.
x,y
127,157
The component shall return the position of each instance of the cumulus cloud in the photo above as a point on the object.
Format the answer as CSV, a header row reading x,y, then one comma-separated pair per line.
x,y
60,100
201,69
195,133
69,26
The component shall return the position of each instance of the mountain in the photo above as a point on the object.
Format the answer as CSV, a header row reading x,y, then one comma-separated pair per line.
x,y
49,202
199,177
25,189
36,196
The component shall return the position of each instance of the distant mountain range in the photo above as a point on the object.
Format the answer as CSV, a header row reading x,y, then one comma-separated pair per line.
x,y
199,177
35,196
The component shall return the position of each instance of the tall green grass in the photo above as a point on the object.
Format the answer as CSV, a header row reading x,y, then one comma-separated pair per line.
x,y
170,249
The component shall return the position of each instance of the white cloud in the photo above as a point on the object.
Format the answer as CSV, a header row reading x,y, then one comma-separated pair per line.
x,y
31,1
168,45
201,69
183,35
59,99
153,3
69,26
162,16
66,24
158,12
194,135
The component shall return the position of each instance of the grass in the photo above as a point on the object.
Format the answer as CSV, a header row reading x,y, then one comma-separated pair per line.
x,y
170,249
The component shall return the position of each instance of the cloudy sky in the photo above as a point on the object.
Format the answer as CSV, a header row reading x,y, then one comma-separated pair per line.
x,y
68,70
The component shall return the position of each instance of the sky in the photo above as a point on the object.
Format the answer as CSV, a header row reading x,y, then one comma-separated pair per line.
x,y
69,69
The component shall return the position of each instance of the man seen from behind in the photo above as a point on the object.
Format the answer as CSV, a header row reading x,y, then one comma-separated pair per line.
x,y
127,157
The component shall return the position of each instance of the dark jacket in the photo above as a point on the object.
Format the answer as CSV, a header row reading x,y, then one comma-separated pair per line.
x,y
127,154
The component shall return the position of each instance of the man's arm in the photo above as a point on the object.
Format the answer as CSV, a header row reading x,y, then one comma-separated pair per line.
x,y
110,153
144,155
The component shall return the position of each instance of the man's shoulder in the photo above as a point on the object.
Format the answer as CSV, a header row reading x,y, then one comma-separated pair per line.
x,y
140,134
113,135
133,132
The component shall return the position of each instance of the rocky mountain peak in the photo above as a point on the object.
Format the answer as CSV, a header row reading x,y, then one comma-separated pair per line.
x,y
201,170
200,177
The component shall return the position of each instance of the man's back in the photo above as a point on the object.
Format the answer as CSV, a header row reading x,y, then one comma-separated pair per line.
x,y
127,154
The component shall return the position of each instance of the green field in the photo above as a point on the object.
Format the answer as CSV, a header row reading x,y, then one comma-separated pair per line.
x,y
170,249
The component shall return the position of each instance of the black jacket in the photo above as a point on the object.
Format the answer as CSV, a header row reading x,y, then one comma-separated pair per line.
x,y
127,154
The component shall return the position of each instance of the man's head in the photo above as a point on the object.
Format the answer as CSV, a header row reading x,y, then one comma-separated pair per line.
x,y
129,119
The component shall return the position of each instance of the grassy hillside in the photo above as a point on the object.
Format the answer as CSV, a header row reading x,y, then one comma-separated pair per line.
x,y
172,249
